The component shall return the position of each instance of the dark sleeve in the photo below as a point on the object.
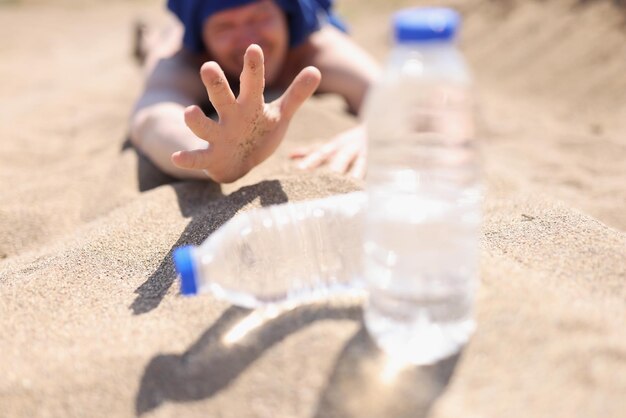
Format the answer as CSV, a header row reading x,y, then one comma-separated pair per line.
x,y
307,16
188,12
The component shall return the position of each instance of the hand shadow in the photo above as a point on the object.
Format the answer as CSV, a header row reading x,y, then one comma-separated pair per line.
x,y
365,383
224,351
208,208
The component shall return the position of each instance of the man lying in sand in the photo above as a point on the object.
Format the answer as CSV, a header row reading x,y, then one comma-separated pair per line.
x,y
294,46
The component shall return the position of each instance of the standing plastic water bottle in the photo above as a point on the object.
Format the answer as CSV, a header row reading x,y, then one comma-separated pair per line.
x,y
286,254
421,235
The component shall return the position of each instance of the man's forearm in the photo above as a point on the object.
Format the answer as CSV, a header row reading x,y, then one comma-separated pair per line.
x,y
347,69
158,131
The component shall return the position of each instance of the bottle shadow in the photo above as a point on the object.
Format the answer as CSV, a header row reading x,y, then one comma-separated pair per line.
x,y
208,209
365,383
224,351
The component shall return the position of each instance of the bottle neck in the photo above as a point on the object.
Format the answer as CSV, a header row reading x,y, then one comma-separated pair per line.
x,y
435,44
427,59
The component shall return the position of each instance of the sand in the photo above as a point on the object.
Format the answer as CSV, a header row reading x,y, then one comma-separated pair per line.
x,y
91,320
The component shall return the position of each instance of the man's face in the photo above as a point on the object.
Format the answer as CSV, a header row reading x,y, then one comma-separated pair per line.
x,y
227,35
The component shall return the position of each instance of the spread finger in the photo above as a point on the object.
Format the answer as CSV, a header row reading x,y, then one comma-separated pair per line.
x,y
192,160
220,93
202,126
302,87
252,77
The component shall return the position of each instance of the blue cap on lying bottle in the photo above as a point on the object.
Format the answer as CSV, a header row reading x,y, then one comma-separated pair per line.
x,y
185,266
420,24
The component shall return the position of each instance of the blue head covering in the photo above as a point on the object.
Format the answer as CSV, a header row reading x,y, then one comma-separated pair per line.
x,y
303,17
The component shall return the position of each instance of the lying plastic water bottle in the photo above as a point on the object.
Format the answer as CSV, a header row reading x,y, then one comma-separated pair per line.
x,y
290,253
422,223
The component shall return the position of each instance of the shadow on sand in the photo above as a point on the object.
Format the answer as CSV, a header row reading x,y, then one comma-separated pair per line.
x,y
360,385
365,383
222,353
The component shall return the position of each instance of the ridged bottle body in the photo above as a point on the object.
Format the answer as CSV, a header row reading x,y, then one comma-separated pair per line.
x,y
291,253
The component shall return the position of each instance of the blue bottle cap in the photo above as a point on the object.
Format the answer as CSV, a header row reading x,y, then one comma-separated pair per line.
x,y
183,260
419,24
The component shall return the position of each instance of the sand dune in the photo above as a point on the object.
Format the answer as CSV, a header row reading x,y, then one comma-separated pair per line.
x,y
91,322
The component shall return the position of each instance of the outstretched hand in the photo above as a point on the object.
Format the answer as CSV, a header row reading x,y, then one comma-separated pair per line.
x,y
346,153
249,130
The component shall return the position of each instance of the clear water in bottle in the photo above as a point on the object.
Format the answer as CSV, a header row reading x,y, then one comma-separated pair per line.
x,y
422,223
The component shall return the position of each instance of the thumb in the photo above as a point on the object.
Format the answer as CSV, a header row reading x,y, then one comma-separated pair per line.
x,y
301,88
